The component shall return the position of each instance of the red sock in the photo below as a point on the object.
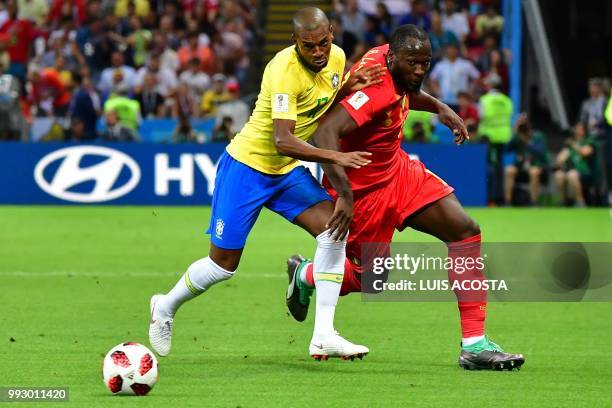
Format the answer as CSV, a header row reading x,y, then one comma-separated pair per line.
x,y
473,304
309,276
351,282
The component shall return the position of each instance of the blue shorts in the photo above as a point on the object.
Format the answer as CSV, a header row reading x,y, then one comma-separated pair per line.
x,y
241,192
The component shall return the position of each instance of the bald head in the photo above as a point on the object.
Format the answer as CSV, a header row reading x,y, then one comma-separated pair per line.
x,y
313,36
309,19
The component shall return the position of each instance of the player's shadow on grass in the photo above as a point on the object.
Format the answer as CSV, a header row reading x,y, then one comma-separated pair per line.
x,y
335,366
290,361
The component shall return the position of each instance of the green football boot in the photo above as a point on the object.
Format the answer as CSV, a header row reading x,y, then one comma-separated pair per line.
x,y
298,293
486,355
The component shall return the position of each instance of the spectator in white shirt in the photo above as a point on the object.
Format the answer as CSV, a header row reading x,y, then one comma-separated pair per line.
x,y
195,79
166,79
118,68
592,109
452,75
395,7
455,21
353,20
168,58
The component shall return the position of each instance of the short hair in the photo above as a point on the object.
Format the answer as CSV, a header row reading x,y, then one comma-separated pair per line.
x,y
309,19
596,82
405,33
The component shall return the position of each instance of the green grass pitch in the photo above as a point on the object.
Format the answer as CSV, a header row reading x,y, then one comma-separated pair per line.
x,y
75,281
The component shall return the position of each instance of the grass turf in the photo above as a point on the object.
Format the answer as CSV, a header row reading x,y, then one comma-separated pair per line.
x,y
75,281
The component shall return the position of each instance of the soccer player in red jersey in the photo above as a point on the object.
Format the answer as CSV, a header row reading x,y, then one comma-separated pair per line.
x,y
395,192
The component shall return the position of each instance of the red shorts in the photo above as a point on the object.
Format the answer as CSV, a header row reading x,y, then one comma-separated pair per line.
x,y
379,212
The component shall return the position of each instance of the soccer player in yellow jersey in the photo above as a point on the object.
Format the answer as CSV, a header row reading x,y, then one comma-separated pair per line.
x,y
260,169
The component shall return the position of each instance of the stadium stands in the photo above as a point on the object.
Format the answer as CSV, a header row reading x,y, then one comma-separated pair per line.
x,y
179,67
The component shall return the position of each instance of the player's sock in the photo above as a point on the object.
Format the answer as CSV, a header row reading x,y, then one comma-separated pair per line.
x,y
472,305
201,275
352,279
350,283
306,275
469,341
328,271
473,316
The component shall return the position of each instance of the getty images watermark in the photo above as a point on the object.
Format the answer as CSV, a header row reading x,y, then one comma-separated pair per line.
x,y
566,272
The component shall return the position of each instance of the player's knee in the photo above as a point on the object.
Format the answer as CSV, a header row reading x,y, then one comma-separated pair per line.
x,y
511,171
535,172
470,229
225,259
560,175
573,176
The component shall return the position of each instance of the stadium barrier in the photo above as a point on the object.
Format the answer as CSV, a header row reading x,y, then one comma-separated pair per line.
x,y
149,130
173,174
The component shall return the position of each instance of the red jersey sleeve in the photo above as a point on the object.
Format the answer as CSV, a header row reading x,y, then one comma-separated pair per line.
x,y
366,104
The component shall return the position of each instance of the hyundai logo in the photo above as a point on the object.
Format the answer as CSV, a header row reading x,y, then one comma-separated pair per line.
x,y
104,173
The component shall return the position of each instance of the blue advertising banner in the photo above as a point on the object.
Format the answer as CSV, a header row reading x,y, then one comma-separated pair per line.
x,y
166,174
463,167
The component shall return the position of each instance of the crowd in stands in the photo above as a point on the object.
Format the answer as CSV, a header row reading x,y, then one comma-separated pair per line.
x,y
100,67
78,61
469,72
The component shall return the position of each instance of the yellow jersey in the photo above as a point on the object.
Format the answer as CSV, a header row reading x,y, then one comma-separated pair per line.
x,y
289,90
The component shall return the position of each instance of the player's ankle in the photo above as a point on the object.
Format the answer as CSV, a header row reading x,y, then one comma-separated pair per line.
x,y
163,309
321,337
470,341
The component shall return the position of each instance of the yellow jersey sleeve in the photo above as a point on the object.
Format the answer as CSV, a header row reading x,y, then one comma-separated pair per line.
x,y
289,91
285,89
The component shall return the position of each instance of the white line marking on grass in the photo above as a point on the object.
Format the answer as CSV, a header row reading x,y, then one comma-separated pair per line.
x,y
66,274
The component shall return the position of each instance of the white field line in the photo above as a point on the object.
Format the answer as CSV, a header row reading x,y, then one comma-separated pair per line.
x,y
76,274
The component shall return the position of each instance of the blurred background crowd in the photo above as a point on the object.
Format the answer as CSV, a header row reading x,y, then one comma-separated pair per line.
x,y
98,68
77,70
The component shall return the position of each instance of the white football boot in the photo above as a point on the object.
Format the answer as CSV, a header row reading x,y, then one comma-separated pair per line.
x,y
160,329
336,346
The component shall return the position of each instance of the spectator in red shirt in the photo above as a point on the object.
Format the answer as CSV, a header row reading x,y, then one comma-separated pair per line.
x,y
467,110
71,9
21,34
48,92
192,49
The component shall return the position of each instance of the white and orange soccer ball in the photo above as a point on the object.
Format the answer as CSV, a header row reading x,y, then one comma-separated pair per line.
x,y
130,368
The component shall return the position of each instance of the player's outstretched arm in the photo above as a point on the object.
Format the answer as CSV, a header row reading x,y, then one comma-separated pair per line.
x,y
289,145
425,102
337,124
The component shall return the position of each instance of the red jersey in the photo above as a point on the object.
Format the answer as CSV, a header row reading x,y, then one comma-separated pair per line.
x,y
21,34
50,85
379,111
469,113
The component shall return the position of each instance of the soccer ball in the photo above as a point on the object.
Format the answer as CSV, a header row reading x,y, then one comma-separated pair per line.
x,y
130,368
